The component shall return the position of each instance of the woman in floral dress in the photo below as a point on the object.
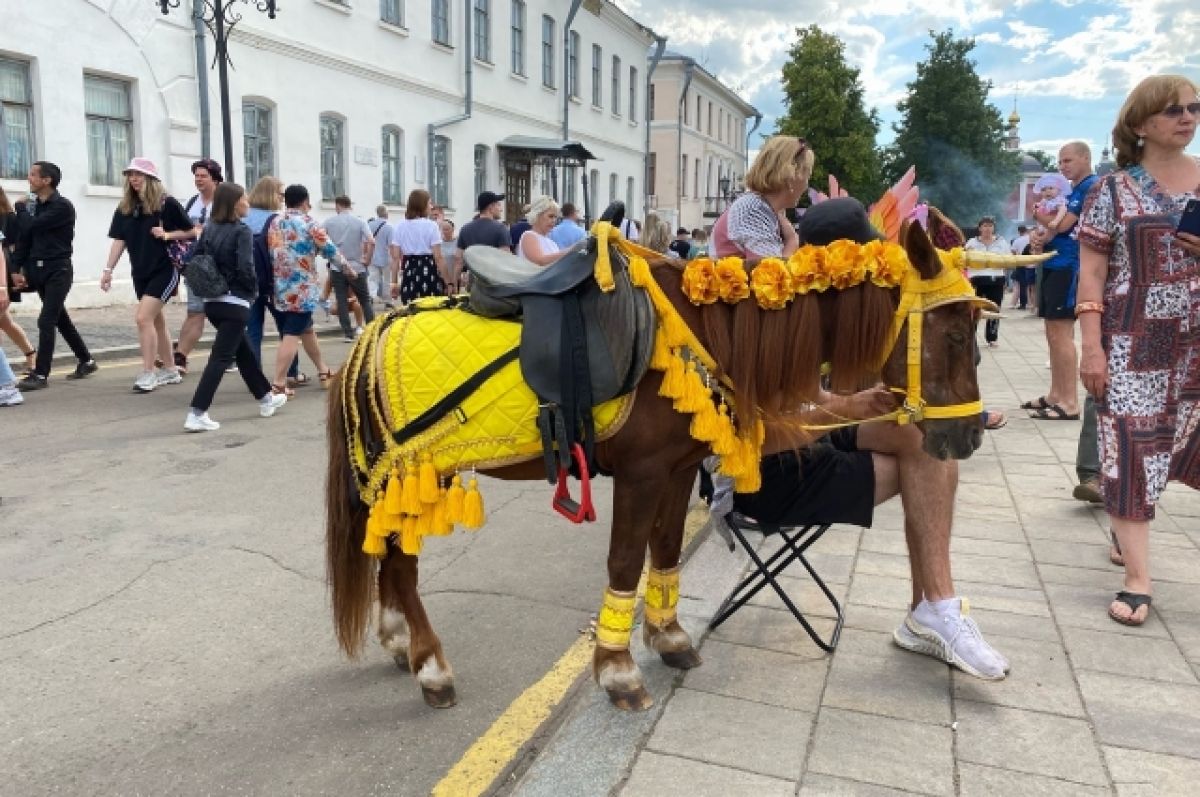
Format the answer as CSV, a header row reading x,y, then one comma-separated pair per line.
x,y
1138,303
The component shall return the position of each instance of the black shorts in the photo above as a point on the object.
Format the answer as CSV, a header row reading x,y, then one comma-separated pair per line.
x,y
1056,296
161,284
830,481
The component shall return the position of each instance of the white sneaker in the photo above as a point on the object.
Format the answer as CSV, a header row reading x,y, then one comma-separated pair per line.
x,y
146,382
10,396
956,640
358,332
270,403
167,376
200,423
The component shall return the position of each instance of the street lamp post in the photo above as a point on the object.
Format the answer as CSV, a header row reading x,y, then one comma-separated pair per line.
x,y
723,187
220,17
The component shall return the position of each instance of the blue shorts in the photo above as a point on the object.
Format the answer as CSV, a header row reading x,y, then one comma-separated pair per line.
x,y
195,304
290,323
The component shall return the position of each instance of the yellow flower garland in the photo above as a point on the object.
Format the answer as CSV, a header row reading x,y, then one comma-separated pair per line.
x,y
774,282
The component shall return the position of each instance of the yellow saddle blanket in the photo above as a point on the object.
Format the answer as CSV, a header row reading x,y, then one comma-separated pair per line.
x,y
413,363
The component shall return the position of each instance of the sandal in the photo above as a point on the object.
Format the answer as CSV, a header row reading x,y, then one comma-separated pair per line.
x,y
299,380
1135,601
282,390
1053,412
1038,403
326,377
1114,554
994,419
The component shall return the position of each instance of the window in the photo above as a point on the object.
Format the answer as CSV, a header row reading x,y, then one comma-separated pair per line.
x,y
633,93
720,124
650,110
333,156
441,22
572,178
708,179
651,173
393,165
612,189
518,37
616,85
687,119
699,122
573,64
392,12
439,188
109,115
481,22
710,117
629,197
683,176
597,76
256,141
16,119
547,51
696,181
594,194
481,164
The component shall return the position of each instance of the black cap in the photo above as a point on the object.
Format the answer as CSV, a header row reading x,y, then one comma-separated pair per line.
x,y
843,218
295,195
487,199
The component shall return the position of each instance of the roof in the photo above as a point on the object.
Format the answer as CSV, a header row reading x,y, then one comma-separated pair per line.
x,y
672,55
553,147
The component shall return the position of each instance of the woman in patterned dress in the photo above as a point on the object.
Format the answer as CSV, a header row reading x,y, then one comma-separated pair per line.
x,y
1139,308
416,249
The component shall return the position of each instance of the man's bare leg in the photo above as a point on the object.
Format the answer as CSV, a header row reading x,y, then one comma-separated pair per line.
x,y
1064,365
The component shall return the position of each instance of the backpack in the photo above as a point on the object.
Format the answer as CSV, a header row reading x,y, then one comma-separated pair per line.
x,y
264,268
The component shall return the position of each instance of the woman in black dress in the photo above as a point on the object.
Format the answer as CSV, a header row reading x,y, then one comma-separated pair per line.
x,y
417,267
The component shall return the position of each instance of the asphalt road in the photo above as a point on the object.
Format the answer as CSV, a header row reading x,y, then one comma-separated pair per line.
x,y
164,626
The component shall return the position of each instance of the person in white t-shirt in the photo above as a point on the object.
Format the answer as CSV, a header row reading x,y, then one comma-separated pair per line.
x,y
207,175
536,245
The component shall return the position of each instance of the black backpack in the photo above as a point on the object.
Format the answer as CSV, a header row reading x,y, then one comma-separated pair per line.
x,y
264,268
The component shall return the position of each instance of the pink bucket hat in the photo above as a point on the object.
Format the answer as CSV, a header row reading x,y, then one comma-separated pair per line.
x,y
143,166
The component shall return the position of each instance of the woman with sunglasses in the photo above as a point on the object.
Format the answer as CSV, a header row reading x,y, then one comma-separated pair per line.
x,y
1136,303
756,224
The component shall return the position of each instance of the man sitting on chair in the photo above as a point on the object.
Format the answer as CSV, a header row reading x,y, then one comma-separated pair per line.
x,y
841,477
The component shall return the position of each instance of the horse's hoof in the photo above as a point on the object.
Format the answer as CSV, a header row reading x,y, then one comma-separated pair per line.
x,y
402,662
442,697
682,659
635,700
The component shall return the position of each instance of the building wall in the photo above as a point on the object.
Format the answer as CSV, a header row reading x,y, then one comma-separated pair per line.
x,y
719,148
321,57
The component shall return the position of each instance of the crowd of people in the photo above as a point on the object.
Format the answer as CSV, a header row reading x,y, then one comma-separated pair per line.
x,y
1119,266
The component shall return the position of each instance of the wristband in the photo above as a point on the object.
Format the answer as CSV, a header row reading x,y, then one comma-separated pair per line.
x,y
1088,307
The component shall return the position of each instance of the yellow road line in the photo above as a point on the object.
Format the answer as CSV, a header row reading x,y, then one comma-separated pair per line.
x,y
492,752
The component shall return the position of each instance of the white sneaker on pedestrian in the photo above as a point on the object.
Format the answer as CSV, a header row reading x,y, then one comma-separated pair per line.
x,y
200,423
167,376
358,332
146,382
270,403
10,395
953,637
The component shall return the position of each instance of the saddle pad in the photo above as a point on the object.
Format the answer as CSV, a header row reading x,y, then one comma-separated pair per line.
x,y
422,357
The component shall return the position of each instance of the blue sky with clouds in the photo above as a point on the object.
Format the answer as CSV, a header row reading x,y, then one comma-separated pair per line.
x,y
1068,63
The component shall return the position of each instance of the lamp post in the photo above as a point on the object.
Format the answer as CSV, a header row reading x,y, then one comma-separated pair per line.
x,y
723,187
220,17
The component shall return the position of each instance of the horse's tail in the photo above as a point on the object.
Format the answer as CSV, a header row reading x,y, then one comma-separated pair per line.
x,y
350,572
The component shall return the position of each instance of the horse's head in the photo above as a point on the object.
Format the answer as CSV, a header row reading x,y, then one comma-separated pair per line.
x,y
939,378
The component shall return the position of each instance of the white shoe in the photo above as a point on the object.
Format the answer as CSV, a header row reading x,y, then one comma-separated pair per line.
x,y
167,376
10,396
956,640
358,332
146,382
200,423
270,403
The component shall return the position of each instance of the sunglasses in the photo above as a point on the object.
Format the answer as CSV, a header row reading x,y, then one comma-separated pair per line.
x,y
1176,111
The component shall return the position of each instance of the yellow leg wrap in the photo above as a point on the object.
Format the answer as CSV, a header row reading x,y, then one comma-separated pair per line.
x,y
662,596
615,624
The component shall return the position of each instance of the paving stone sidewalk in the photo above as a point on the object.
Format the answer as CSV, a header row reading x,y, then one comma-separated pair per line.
x,y
1090,708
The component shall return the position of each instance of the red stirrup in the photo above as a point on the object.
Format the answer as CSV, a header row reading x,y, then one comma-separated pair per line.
x,y
576,512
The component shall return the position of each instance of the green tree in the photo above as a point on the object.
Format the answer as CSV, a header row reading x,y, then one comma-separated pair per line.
x,y
1049,162
825,106
953,135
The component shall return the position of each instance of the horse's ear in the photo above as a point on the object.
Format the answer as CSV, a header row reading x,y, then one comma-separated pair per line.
x,y
920,250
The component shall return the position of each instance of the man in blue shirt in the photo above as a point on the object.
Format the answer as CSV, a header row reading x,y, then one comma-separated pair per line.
x,y
568,231
1056,295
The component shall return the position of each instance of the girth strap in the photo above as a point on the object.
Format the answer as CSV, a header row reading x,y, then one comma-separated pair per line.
x,y
455,397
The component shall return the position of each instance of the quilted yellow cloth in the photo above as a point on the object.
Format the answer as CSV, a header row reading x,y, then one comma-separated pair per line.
x,y
421,358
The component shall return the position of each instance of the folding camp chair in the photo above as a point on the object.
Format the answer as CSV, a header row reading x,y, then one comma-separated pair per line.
x,y
796,541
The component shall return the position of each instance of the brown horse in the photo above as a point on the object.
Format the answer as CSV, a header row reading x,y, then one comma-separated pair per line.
x,y
772,359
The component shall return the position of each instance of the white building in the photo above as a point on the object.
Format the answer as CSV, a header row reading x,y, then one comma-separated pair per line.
x,y
698,146
372,98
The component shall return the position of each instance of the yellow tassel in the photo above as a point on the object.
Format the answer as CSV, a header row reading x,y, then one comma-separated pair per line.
x,y
375,540
438,523
429,481
391,503
374,545
676,331
454,501
695,395
410,497
660,357
473,516
410,539
726,441
425,522
672,383
749,482
706,425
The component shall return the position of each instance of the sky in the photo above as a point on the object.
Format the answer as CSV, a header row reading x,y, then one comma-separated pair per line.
x,y
1067,64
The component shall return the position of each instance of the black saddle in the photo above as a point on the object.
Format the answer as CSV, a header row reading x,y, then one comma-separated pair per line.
x,y
580,346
